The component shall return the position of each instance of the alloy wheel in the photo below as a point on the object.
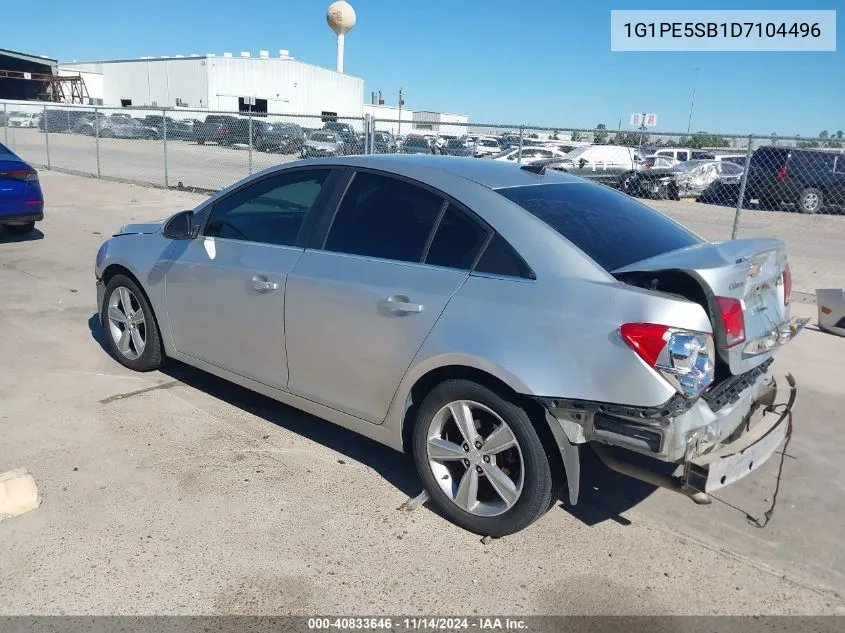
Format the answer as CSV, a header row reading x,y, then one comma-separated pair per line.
x,y
475,458
127,324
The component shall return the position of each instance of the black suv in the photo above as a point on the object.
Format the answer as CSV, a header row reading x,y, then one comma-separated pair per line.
x,y
808,178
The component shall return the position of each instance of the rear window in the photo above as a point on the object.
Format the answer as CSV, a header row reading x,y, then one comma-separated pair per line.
x,y
769,158
610,227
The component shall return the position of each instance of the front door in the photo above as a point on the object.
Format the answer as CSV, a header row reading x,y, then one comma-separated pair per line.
x,y
359,309
225,289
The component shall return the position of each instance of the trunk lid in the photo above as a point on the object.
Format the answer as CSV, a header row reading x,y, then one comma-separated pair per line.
x,y
750,271
13,179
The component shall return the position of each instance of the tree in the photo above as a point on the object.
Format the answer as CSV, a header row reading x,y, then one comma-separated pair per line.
x,y
700,139
632,139
533,135
554,135
600,135
576,135
824,134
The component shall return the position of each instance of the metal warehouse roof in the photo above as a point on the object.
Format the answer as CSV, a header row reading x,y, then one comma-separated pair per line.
x,y
26,57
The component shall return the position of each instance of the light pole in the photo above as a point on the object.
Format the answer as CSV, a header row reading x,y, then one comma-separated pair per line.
x,y
692,103
401,103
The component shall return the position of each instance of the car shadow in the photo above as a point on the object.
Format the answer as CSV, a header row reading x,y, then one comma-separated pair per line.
x,y
394,467
98,333
605,494
7,237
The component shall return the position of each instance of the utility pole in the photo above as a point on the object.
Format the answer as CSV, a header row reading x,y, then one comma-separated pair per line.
x,y
401,103
642,131
692,103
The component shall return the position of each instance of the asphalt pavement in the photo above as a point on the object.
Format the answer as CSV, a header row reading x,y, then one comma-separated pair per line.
x,y
174,492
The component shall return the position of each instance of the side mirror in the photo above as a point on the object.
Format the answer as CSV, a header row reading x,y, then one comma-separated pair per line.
x,y
180,226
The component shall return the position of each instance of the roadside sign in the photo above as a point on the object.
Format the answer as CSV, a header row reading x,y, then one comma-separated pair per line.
x,y
249,101
646,119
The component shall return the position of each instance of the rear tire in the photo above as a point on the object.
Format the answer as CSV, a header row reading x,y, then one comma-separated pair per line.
x,y
200,142
810,201
512,487
142,349
20,229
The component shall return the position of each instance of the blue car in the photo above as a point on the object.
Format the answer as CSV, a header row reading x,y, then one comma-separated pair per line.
x,y
21,200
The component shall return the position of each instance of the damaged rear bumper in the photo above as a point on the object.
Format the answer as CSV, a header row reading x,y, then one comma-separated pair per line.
x,y
749,450
741,431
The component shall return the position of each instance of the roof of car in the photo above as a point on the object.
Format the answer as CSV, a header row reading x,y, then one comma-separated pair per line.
x,y
489,173
8,155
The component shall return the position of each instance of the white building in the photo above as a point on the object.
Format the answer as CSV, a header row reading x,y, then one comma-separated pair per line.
x,y
391,119
276,85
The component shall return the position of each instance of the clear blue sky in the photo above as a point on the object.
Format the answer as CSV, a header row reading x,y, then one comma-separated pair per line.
x,y
535,62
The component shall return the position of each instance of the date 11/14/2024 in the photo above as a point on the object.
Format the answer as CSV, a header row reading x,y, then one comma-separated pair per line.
x,y
419,623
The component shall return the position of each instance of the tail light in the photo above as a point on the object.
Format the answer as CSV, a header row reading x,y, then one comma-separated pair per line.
x,y
25,175
223,129
781,174
787,284
685,359
733,320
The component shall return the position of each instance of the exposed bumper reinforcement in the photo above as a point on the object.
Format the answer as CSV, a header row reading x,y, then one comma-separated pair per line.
x,y
725,465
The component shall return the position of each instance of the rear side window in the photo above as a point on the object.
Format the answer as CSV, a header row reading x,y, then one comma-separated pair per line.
x,y
457,242
769,158
384,217
822,161
500,258
610,227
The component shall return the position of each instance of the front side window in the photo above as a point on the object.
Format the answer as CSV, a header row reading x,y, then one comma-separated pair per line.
x,y
270,211
385,218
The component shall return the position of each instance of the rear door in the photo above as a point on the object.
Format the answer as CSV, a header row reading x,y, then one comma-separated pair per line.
x,y
361,304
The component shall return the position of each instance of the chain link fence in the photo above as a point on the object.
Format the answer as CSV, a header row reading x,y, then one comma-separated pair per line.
x,y
721,186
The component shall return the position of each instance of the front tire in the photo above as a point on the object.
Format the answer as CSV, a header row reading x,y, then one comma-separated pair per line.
x,y
130,325
810,200
481,460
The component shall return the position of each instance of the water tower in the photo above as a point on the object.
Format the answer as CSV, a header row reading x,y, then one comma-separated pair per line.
x,y
341,18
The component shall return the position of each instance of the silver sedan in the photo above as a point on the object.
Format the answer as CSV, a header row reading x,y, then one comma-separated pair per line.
x,y
491,319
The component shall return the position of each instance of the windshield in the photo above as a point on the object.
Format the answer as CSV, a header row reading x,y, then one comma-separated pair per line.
x,y
416,142
323,137
615,230
452,143
487,142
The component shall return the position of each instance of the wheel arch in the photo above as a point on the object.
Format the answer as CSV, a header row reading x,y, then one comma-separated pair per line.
x,y
494,378
113,269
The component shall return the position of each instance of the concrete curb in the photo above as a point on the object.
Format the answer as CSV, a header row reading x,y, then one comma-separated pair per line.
x,y
18,493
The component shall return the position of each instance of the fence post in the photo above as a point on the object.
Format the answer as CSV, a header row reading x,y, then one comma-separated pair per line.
x,y
366,133
741,199
6,125
97,137
47,135
519,153
164,138
373,135
249,119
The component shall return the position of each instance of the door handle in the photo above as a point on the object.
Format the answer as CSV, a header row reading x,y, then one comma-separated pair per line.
x,y
260,284
401,303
